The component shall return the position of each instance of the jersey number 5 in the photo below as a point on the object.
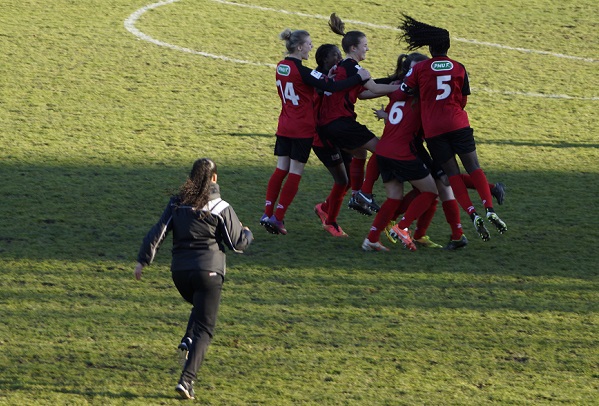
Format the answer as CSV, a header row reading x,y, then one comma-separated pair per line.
x,y
396,113
442,84
288,93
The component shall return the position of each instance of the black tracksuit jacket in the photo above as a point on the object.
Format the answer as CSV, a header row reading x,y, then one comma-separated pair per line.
x,y
199,236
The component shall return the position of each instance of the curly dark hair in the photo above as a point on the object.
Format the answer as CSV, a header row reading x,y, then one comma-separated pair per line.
x,y
195,191
417,34
322,53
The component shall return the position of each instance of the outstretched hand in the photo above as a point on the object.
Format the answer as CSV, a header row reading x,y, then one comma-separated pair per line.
x,y
138,271
380,113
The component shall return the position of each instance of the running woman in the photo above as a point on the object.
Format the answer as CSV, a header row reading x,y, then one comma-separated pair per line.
x,y
297,123
398,163
443,87
203,225
337,119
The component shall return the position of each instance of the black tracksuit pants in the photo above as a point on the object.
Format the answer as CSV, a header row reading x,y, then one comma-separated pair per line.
x,y
203,290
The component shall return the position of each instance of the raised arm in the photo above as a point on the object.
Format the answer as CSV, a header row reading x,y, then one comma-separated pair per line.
x,y
379,88
321,81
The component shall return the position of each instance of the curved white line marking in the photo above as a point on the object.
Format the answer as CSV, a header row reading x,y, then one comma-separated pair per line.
x,y
388,27
134,17
130,26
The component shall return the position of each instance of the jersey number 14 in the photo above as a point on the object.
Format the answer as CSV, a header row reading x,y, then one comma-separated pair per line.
x,y
288,93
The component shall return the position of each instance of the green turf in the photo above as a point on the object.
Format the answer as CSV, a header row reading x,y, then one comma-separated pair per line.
x,y
97,127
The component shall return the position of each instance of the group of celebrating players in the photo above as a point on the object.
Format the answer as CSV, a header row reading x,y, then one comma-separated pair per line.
x,y
427,97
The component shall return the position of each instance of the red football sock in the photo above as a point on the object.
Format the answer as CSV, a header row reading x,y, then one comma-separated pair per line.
x,y
469,184
273,189
461,193
405,203
425,220
287,194
382,218
482,187
372,174
399,210
356,173
335,200
467,180
420,204
452,215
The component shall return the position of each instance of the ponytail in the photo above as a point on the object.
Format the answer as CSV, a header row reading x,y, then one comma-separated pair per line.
x,y
350,39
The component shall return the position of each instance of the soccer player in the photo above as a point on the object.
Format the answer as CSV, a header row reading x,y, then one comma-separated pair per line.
x,y
337,119
334,159
297,123
203,224
398,163
443,88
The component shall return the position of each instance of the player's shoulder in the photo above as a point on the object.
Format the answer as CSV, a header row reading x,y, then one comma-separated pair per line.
x,y
349,64
423,66
288,66
439,65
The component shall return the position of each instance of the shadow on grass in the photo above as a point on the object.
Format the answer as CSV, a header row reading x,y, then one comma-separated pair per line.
x,y
557,144
94,396
102,213
250,135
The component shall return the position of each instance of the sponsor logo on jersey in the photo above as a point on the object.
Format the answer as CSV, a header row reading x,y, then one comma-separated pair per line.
x,y
316,74
283,70
438,66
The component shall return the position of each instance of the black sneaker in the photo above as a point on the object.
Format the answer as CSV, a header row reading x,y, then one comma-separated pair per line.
x,y
275,226
498,192
264,223
185,389
367,199
185,346
479,225
362,208
497,222
457,244
374,206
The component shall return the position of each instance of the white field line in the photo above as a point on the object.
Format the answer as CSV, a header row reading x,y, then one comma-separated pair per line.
x,y
388,27
134,17
532,94
130,26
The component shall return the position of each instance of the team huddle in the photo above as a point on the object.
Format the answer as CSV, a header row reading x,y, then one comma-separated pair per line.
x,y
426,127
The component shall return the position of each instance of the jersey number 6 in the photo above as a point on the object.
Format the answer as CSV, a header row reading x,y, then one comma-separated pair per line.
x,y
395,112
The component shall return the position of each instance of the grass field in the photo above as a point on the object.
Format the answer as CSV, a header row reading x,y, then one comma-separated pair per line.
x,y
104,105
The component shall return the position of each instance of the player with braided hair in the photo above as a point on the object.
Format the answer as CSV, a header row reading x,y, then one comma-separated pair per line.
x,y
443,87
334,159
